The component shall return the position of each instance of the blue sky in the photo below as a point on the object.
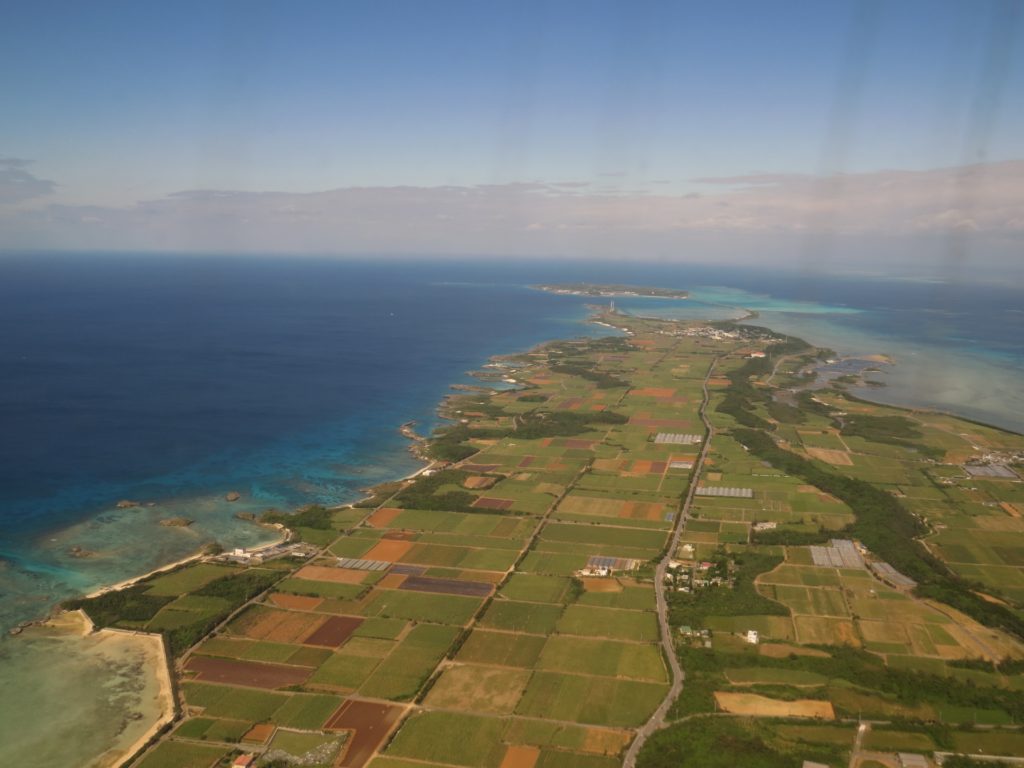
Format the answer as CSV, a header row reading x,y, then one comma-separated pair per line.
x,y
119,102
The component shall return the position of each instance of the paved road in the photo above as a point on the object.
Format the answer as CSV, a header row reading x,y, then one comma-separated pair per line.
x,y
657,720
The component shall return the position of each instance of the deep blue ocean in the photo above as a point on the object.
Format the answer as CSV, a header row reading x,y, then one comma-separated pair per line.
x,y
174,379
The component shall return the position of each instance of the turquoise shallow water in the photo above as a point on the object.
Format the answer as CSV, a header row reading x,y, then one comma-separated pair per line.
x,y
937,364
77,698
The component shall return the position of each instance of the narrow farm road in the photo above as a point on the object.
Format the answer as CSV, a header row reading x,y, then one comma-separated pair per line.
x,y
657,720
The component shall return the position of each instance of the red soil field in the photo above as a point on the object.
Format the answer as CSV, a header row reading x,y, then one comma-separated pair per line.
x,y
333,632
390,551
249,673
371,723
644,467
330,573
259,734
382,517
391,581
520,757
295,602
659,392
598,584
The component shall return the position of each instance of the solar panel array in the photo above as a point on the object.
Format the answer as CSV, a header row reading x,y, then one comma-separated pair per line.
x,y
990,470
362,565
886,572
841,554
733,493
675,438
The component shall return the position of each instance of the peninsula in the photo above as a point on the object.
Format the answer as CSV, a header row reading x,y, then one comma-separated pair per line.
x,y
612,291
658,543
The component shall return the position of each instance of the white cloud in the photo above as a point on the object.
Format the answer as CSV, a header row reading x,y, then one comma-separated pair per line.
x,y
570,218
17,184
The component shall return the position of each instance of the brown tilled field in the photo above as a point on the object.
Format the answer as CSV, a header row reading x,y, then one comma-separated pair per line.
x,y
295,602
520,757
260,733
658,392
333,632
598,584
276,625
486,502
392,581
332,574
642,510
371,724
248,673
390,550
382,517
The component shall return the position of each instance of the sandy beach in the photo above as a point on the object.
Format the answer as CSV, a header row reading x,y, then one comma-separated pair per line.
x,y
177,564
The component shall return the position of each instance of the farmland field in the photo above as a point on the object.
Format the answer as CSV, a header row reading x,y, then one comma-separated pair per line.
x,y
500,610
